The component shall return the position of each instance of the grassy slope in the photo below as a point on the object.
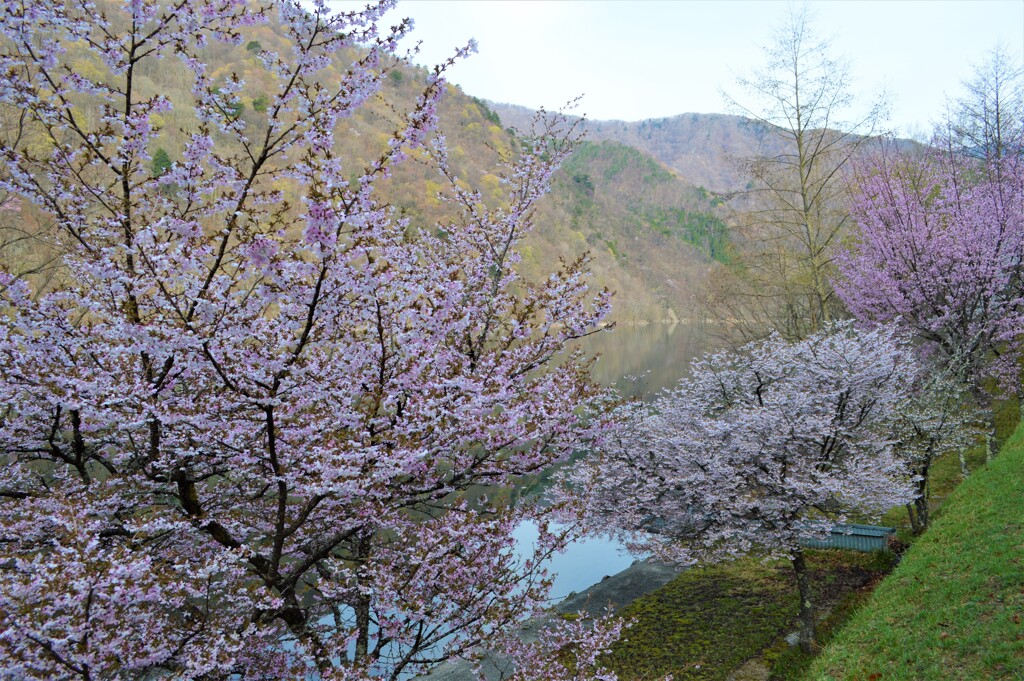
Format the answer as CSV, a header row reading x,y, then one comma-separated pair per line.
x,y
953,609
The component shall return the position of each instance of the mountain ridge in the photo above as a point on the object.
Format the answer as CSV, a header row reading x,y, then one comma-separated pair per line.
x,y
704,149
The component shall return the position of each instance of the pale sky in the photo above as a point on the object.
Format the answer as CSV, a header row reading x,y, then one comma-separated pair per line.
x,y
652,59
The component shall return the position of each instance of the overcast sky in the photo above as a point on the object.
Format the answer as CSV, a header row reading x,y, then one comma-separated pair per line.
x,y
636,60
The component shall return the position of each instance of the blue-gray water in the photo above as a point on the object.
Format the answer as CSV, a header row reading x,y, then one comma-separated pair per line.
x,y
642,360
639,361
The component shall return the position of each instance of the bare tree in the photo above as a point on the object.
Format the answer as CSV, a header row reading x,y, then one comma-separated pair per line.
x,y
788,223
987,121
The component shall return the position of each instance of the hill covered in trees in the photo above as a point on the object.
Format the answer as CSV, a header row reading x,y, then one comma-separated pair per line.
x,y
652,233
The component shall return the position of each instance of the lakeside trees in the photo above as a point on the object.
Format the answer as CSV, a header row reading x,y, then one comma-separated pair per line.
x,y
241,429
253,431
940,250
758,449
939,244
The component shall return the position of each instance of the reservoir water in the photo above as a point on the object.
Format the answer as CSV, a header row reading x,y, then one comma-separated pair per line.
x,y
639,361
642,360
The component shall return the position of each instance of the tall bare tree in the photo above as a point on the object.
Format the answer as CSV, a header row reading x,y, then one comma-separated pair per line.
x,y
788,223
987,120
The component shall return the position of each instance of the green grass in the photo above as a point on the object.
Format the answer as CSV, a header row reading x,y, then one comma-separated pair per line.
x,y
960,593
945,473
786,662
710,620
953,609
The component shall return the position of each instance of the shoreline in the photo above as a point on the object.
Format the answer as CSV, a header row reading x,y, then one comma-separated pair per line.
x,y
613,592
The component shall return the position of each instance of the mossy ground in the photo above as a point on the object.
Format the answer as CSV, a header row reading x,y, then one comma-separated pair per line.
x,y
710,620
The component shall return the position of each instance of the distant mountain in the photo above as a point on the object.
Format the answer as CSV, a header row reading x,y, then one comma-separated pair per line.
x,y
701,148
652,234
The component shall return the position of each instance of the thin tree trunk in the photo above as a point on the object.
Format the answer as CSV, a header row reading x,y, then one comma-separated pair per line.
x,y
362,607
918,509
921,507
990,442
984,401
803,583
915,526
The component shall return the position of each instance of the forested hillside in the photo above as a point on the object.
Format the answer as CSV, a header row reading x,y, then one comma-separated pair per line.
x,y
652,234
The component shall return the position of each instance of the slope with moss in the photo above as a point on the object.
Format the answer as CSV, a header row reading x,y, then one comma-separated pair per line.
x,y
706,623
954,607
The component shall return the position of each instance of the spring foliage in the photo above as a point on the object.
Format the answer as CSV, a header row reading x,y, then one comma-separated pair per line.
x,y
239,432
940,251
759,449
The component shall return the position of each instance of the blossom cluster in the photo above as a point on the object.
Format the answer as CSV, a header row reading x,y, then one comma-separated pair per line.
x,y
251,437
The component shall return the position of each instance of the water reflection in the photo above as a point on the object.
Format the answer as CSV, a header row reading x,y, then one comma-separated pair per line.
x,y
639,361
642,360
583,563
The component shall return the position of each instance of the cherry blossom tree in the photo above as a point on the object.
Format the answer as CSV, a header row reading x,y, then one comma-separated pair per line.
x,y
759,449
939,250
247,430
936,421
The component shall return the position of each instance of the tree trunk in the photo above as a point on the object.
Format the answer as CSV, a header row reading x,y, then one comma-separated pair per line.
x,y
964,471
362,605
915,526
803,583
918,509
922,513
362,608
984,401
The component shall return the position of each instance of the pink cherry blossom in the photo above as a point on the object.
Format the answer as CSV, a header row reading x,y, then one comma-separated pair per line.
x,y
759,449
245,439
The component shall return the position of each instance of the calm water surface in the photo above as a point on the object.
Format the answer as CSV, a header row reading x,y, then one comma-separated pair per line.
x,y
639,361
642,360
